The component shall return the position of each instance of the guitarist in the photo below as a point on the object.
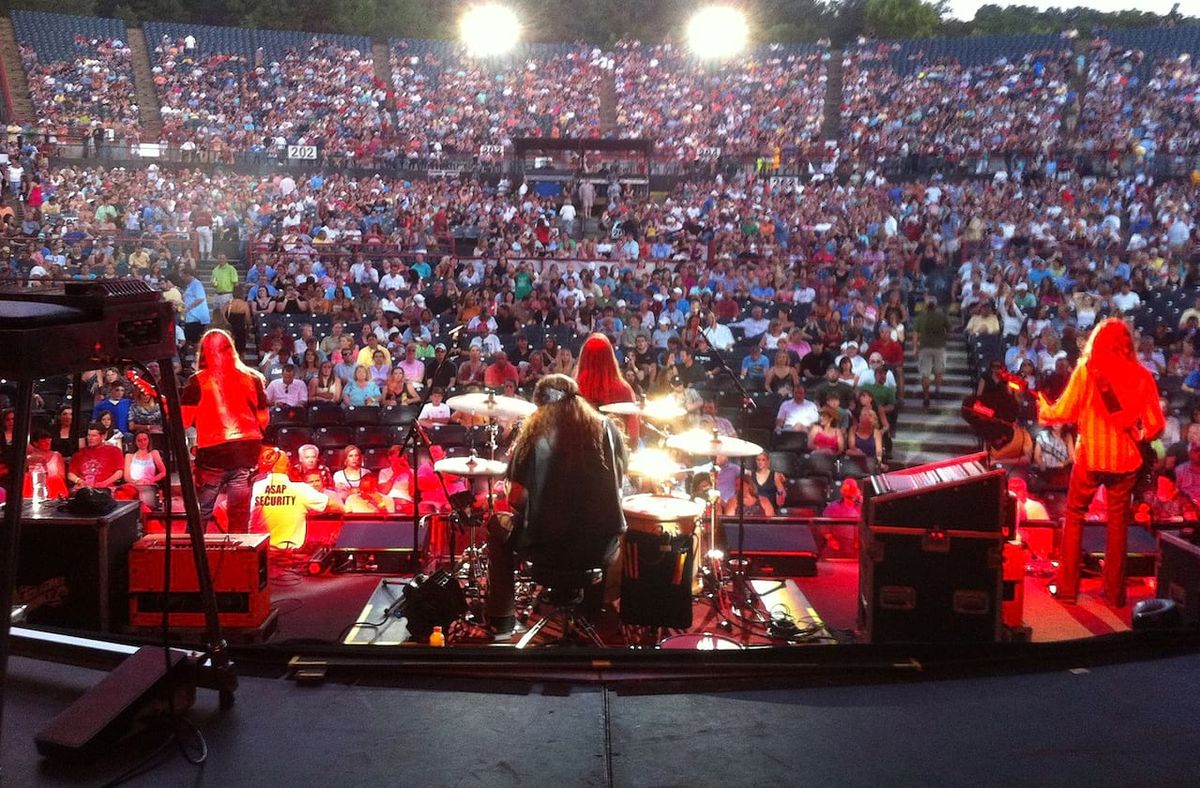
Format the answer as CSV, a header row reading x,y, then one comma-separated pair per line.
x,y
1114,402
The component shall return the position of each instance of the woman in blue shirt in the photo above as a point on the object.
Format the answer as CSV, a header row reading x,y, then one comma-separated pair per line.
x,y
362,391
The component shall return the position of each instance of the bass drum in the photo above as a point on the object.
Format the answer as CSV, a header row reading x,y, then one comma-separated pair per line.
x,y
705,641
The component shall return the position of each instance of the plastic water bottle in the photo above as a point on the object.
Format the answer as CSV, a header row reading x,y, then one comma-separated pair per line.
x,y
437,638
37,475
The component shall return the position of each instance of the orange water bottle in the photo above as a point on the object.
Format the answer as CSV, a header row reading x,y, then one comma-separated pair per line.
x,y
437,638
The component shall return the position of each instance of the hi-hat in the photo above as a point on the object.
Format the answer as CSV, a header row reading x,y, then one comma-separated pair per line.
x,y
711,444
491,406
655,409
470,466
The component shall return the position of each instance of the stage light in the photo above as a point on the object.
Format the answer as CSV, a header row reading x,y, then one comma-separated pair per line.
x,y
718,32
489,29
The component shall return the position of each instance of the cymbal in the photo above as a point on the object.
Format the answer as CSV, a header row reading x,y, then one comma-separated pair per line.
x,y
491,406
710,444
653,464
655,410
470,466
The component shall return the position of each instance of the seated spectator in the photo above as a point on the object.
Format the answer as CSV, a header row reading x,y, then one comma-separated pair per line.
x,y
97,464
396,479
748,500
1053,449
380,370
309,469
796,414
471,371
145,414
362,390
117,404
1187,474
41,456
144,468
500,371
768,484
367,499
781,378
398,389
350,476
61,438
754,369
435,411
1165,503
286,390
325,386
826,435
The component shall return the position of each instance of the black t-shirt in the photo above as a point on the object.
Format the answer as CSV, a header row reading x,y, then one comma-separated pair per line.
x,y
646,358
814,364
572,514
690,375
439,376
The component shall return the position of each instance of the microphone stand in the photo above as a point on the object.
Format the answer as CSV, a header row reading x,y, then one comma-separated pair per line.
x,y
743,591
411,438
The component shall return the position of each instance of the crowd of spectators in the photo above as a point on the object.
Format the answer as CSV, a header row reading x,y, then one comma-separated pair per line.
x,y
1132,105
325,95
448,102
945,109
754,105
92,90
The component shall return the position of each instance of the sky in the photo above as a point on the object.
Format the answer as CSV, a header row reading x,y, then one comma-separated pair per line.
x,y
965,9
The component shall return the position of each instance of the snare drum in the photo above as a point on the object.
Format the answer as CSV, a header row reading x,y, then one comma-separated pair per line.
x,y
661,514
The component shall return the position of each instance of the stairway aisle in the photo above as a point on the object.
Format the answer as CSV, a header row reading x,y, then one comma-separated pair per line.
x,y
831,126
938,433
608,105
149,110
14,73
381,59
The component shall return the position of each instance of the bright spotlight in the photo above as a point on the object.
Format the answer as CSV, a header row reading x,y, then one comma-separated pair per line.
x,y
718,32
489,29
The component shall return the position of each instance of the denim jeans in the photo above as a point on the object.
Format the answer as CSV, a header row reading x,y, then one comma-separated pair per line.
x,y
1080,491
236,483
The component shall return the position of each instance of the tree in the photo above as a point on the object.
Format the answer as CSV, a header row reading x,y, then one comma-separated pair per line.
x,y
77,7
902,18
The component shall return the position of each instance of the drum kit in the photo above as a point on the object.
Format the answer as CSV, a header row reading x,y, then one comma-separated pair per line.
x,y
665,510
669,511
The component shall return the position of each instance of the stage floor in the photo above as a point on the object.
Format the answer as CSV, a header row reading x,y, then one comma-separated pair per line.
x,y
326,608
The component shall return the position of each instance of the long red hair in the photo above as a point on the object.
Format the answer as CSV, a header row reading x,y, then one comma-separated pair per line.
x,y
599,375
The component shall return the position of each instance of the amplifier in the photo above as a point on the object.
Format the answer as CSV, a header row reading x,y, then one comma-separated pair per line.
x,y
237,562
1179,575
71,571
377,546
775,548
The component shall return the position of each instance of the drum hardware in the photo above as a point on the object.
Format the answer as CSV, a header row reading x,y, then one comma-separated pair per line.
x,y
743,599
473,566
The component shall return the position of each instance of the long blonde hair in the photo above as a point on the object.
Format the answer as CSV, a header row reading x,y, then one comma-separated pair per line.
x,y
218,354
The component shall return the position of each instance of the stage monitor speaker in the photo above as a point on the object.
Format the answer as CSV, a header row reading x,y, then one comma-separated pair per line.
x,y
1179,575
775,549
1141,552
377,546
141,688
